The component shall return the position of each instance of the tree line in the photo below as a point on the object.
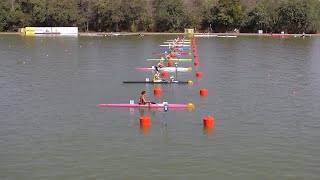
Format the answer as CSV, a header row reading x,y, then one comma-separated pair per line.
x,y
291,16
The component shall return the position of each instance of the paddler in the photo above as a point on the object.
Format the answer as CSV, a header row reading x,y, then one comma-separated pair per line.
x,y
168,56
159,65
142,99
156,77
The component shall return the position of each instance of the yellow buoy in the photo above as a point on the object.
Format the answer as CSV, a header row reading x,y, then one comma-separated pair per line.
x,y
190,106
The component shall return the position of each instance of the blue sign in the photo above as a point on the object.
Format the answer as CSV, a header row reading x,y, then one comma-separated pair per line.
x,y
165,108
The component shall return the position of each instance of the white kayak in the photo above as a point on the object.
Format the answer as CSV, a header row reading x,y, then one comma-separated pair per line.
x,y
167,69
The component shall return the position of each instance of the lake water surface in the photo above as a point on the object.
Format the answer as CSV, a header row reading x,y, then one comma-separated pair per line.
x,y
264,94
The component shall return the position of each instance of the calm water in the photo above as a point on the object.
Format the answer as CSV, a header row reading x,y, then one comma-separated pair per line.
x,y
264,94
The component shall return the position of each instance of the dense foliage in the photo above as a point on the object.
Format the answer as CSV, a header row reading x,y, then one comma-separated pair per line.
x,y
291,16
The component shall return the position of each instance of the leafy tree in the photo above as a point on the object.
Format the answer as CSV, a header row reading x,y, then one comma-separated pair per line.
x,y
196,9
226,15
87,12
294,16
169,15
62,12
3,16
314,17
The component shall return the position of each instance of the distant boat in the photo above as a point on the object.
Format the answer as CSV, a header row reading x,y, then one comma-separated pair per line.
x,y
280,36
303,35
205,35
116,34
227,36
214,35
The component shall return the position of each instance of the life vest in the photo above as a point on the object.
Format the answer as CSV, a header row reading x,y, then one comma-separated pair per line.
x,y
156,77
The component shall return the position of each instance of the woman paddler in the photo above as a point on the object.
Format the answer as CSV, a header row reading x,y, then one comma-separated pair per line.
x,y
159,66
168,56
142,99
156,77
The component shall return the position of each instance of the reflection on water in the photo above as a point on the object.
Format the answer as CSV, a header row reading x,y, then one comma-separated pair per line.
x,y
145,130
208,130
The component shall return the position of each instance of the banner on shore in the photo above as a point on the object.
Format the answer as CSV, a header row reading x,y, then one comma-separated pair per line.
x,y
42,30
29,30
65,30
51,30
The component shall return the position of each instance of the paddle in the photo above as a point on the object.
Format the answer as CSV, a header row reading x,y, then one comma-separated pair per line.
x,y
149,104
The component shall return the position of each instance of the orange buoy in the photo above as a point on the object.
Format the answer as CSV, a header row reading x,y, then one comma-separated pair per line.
x,y
196,63
196,56
145,121
165,74
203,91
208,121
170,63
199,74
157,91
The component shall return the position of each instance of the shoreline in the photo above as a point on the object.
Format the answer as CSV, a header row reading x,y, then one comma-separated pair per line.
x,y
165,33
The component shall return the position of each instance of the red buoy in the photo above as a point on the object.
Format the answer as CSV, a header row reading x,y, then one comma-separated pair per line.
x,y
196,56
157,91
145,121
199,74
208,121
170,63
196,63
165,74
203,91
195,50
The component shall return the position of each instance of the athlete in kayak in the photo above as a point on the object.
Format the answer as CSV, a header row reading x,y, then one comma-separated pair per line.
x,y
168,56
156,77
159,65
142,99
